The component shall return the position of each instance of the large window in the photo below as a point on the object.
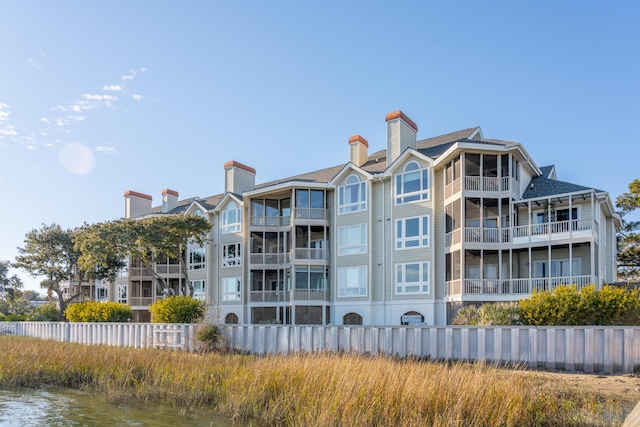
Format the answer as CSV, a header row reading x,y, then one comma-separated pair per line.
x,y
412,278
231,255
196,259
352,281
352,239
412,184
198,289
231,289
231,218
412,232
352,196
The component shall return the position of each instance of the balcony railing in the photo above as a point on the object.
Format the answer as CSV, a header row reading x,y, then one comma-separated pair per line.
x,y
513,286
573,225
285,296
271,221
481,183
508,234
312,254
140,301
310,213
169,269
139,272
270,258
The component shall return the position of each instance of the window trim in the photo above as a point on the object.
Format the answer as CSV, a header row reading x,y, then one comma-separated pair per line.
x,y
423,222
362,288
423,194
234,296
232,227
202,264
361,204
236,260
401,275
347,249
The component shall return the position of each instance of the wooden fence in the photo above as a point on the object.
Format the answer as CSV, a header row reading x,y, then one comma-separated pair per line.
x,y
586,349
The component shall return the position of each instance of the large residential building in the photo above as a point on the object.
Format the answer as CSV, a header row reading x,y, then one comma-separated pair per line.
x,y
404,235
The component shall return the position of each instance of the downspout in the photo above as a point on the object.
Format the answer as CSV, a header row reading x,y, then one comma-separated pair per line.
x,y
384,270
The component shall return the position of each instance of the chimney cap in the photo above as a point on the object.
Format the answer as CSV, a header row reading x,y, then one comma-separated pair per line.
x,y
233,163
136,194
358,138
400,115
171,192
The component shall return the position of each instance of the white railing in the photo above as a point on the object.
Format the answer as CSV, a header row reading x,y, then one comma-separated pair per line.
x,y
310,213
548,228
269,296
169,269
590,349
270,258
271,221
516,286
311,254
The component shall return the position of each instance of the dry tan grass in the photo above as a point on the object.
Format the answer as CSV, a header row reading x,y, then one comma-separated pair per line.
x,y
319,389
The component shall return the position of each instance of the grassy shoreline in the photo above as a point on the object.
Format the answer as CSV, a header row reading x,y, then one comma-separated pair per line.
x,y
302,389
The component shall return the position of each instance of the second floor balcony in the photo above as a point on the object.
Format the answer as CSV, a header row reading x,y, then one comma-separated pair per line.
x,y
550,231
481,184
288,296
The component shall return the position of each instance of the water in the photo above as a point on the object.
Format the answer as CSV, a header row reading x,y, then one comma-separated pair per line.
x,y
70,408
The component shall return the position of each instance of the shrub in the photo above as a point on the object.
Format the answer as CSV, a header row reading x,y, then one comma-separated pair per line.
x,y
501,313
568,306
207,337
177,309
45,313
469,315
95,311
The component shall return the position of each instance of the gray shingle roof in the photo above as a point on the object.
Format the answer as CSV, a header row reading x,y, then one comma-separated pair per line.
x,y
542,186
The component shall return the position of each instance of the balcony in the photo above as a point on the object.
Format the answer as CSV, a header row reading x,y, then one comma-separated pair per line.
x,y
311,254
270,221
285,296
270,258
576,228
513,287
481,184
310,213
140,301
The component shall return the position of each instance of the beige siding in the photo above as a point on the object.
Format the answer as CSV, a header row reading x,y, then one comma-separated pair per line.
x,y
438,234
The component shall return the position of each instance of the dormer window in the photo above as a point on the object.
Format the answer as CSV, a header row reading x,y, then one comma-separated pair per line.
x,y
352,196
231,218
412,184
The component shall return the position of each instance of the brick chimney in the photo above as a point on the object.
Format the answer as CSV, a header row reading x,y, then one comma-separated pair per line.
x,y
358,150
136,204
401,134
238,178
169,200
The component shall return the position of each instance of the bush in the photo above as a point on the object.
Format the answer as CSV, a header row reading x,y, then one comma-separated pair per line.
x,y
567,306
177,309
95,311
45,313
207,337
469,315
501,313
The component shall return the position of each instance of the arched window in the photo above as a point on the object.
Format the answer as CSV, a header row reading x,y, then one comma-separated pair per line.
x,y
352,196
231,319
231,218
412,184
352,319
412,318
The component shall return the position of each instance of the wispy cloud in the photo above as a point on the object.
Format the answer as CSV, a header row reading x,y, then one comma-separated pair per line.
x,y
36,62
6,129
110,149
137,96
112,88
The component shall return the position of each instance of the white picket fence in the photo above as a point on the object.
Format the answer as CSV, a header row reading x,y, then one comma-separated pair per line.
x,y
586,349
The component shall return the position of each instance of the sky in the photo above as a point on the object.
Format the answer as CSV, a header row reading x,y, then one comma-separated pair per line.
x,y
98,98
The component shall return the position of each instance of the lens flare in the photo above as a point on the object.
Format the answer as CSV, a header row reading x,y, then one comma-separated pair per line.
x,y
76,158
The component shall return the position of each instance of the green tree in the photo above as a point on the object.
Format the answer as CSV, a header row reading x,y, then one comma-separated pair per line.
x,y
49,252
10,285
629,235
150,240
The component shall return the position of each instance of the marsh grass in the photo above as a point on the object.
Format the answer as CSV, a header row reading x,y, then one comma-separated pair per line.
x,y
302,389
